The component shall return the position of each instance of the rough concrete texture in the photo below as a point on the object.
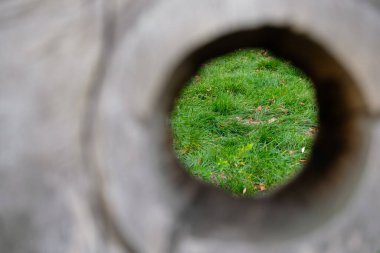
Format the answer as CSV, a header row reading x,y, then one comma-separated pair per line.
x,y
85,158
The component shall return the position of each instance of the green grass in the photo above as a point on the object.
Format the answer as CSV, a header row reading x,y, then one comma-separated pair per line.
x,y
243,120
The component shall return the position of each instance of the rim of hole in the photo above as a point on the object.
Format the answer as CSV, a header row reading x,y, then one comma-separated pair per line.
x,y
326,183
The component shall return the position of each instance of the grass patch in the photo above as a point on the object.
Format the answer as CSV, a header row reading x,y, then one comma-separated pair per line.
x,y
245,122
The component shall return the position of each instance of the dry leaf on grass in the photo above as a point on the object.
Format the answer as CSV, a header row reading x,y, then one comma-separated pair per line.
x,y
312,131
284,110
272,120
249,121
303,161
214,179
264,53
261,187
259,108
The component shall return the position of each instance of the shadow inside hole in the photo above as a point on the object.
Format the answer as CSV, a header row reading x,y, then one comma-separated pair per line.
x,y
245,122
328,180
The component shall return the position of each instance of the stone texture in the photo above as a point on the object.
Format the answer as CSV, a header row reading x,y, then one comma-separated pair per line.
x,y
85,156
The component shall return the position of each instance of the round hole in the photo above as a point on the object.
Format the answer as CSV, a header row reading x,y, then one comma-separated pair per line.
x,y
329,178
245,122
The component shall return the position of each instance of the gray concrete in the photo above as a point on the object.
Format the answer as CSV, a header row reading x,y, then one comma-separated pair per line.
x,y
86,163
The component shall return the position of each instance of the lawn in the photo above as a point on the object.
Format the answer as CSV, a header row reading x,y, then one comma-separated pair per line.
x,y
245,122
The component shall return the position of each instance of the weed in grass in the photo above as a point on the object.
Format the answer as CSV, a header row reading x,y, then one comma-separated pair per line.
x,y
245,122
223,104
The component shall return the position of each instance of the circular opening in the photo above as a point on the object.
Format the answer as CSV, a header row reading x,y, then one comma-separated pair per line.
x,y
327,181
245,122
